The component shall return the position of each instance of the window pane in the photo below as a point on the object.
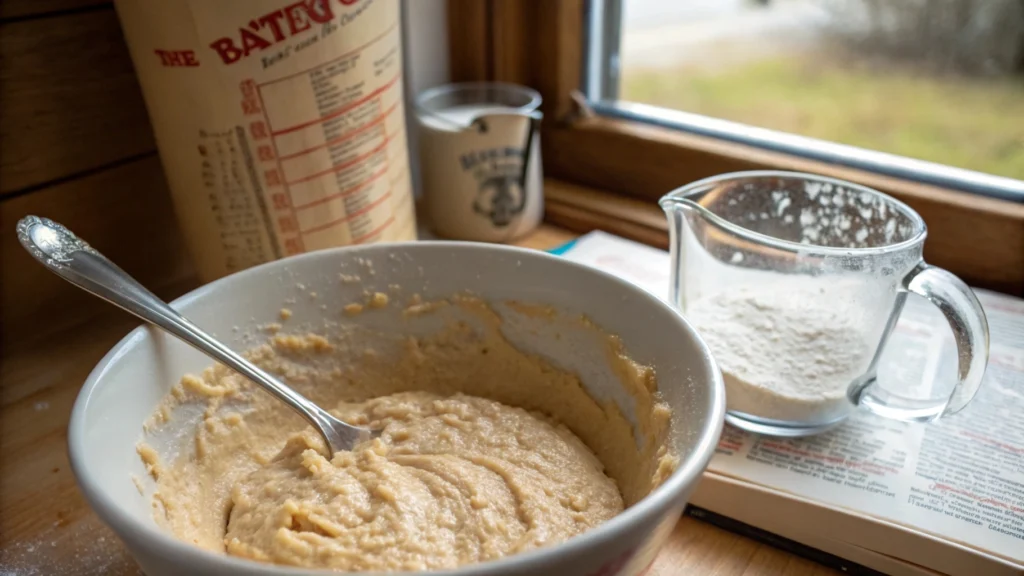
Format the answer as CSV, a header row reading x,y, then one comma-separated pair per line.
x,y
938,80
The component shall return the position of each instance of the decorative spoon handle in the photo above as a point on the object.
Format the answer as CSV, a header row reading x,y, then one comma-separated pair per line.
x,y
72,259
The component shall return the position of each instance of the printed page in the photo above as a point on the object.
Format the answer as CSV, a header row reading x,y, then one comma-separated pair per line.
x,y
641,264
961,478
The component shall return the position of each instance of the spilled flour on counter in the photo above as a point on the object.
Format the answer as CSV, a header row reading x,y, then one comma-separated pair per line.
x,y
788,349
82,547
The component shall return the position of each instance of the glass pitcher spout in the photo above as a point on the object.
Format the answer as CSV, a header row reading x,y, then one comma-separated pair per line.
x,y
672,204
681,209
736,212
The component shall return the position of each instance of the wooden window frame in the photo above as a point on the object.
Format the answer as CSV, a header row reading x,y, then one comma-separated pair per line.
x,y
606,173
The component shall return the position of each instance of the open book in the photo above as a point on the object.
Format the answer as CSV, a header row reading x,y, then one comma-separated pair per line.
x,y
900,498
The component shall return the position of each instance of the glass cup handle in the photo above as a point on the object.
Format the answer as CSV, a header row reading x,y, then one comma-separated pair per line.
x,y
966,318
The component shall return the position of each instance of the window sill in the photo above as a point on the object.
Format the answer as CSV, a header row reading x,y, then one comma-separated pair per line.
x,y
980,239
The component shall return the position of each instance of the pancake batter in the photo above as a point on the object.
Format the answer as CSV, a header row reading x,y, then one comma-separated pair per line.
x,y
484,451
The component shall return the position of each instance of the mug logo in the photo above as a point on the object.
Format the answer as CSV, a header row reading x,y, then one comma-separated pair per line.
x,y
500,196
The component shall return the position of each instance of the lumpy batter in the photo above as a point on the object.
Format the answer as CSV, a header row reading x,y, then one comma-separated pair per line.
x,y
528,460
454,479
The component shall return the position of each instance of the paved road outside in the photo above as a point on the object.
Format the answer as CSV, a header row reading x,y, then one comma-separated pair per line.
x,y
673,33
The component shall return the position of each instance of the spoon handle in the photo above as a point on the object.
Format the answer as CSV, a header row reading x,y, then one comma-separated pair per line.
x,y
72,259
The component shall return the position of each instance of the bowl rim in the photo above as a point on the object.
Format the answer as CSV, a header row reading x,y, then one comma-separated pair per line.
x,y
164,544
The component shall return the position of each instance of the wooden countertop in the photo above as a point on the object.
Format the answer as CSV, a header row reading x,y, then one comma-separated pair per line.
x,y
46,527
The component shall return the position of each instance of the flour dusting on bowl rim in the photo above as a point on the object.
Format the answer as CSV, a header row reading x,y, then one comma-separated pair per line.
x,y
646,510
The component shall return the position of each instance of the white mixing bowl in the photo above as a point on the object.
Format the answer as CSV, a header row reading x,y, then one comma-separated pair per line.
x,y
126,386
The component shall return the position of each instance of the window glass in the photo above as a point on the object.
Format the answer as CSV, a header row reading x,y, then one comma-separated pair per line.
x,y
937,80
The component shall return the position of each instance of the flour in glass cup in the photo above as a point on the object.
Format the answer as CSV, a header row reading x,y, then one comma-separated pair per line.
x,y
788,347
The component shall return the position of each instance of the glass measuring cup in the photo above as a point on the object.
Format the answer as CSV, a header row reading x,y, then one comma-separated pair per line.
x,y
796,282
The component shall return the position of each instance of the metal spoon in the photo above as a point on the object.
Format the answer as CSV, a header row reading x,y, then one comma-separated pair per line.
x,y
72,259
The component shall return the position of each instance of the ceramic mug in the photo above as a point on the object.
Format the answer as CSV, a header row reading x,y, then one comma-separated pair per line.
x,y
480,160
